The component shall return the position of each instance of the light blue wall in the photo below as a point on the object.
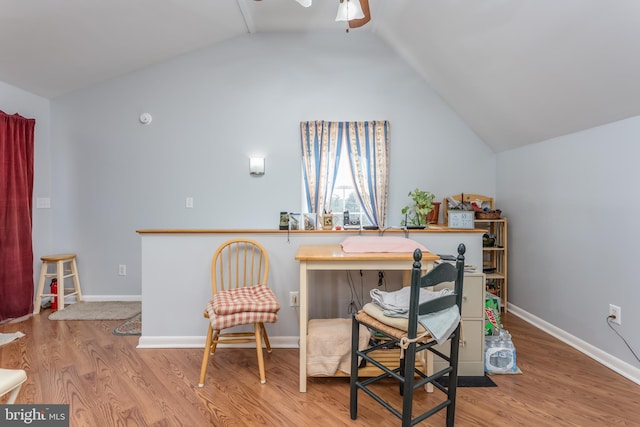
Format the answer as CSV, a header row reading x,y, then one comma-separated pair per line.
x,y
214,108
573,237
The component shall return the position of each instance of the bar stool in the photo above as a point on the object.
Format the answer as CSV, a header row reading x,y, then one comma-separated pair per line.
x,y
61,272
11,381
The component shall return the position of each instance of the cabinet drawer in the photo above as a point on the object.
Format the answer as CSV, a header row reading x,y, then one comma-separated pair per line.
x,y
472,295
472,346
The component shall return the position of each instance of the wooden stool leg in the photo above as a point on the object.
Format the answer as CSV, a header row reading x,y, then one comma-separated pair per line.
x,y
60,277
40,291
76,280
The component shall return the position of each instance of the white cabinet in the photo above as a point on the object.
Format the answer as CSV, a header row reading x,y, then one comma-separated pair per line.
x,y
471,356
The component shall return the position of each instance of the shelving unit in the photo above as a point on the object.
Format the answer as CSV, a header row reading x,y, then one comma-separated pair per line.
x,y
494,258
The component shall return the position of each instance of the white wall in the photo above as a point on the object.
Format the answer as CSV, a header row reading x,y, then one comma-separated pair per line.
x,y
176,275
214,108
573,237
16,101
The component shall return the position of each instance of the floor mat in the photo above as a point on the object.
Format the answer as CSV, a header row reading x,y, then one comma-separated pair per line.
x,y
131,326
470,381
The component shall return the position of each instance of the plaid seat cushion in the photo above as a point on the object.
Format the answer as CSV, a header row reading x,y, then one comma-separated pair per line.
x,y
256,299
222,321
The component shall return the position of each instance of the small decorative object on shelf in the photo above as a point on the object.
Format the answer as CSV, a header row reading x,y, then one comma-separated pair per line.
x,y
459,213
461,219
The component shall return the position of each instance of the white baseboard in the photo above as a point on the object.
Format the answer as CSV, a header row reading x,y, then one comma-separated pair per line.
x,y
98,298
199,341
611,362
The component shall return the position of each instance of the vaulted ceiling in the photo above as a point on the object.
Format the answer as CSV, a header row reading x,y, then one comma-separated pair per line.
x,y
517,71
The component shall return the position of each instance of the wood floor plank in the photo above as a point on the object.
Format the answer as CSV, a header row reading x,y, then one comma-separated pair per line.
x,y
109,382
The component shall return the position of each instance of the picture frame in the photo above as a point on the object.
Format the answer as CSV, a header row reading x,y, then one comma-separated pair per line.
x,y
327,221
309,221
294,221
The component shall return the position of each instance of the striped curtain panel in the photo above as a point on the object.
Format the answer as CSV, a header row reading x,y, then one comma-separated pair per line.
x,y
368,149
321,145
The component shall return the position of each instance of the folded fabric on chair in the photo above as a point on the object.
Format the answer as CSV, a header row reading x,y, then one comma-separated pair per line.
x,y
222,321
398,301
258,298
439,324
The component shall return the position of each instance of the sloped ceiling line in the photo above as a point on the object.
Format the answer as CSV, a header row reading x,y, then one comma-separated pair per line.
x,y
246,16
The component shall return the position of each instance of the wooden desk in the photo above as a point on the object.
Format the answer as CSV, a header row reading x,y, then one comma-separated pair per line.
x,y
332,257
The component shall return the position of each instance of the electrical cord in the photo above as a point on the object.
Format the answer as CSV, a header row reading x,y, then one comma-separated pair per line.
x,y
609,319
356,302
382,279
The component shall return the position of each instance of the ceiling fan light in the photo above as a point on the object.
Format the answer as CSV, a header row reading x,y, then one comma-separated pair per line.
x,y
348,10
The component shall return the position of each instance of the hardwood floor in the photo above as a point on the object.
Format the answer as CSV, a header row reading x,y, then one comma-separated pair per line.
x,y
109,382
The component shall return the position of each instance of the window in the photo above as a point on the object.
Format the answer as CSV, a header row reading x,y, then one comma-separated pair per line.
x,y
345,167
344,196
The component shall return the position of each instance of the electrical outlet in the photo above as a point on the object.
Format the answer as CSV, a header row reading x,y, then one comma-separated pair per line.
x,y
189,203
294,300
122,270
616,311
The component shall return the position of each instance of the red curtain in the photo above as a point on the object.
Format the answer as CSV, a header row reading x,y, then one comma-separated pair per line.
x,y
16,190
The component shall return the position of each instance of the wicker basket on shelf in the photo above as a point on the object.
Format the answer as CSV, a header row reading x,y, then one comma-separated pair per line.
x,y
495,214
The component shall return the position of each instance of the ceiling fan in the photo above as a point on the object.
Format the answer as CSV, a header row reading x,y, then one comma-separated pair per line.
x,y
356,12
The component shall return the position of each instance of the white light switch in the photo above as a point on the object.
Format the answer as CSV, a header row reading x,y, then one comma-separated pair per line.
x,y
189,202
43,203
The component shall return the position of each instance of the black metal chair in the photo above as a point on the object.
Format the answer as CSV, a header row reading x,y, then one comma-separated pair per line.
x,y
410,341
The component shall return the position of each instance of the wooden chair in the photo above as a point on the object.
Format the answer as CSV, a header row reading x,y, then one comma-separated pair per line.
x,y
11,381
411,341
239,271
466,197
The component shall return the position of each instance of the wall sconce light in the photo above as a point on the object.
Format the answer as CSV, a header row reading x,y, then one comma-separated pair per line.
x,y
256,166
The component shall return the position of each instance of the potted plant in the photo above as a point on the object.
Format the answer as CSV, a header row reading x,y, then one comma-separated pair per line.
x,y
416,214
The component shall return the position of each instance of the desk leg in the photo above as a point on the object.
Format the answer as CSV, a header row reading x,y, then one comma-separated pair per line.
x,y
304,318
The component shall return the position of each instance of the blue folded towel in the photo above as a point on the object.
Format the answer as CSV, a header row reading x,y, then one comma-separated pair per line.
x,y
441,324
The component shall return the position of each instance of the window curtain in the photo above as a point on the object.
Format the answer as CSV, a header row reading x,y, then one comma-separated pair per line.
x,y
16,190
368,148
321,144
